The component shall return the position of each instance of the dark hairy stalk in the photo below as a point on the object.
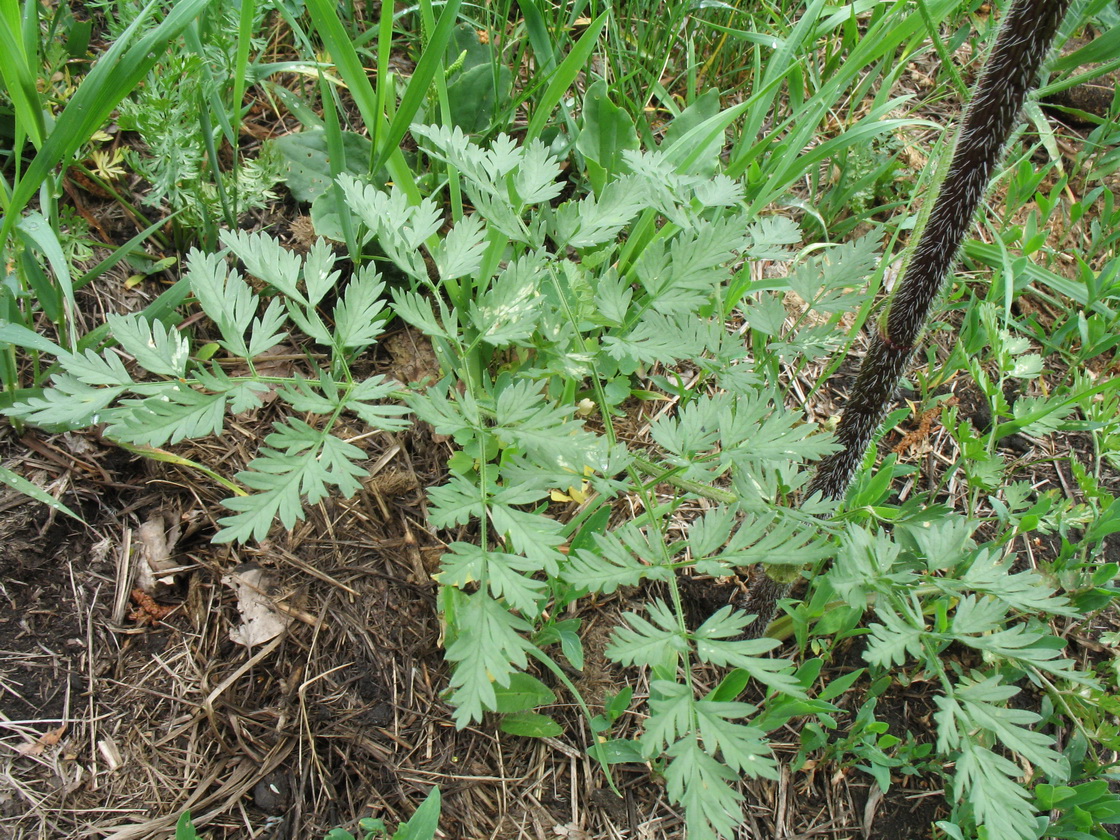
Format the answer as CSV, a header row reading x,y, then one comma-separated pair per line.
x,y
1009,74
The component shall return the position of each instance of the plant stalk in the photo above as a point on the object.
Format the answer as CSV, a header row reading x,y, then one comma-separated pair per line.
x,y
1010,72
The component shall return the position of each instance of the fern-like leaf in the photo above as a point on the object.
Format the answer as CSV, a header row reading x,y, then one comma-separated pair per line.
x,y
157,348
297,466
488,649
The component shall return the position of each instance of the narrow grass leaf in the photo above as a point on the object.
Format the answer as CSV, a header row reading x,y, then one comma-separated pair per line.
x,y
565,75
20,336
36,228
333,34
431,60
536,29
241,61
15,69
118,72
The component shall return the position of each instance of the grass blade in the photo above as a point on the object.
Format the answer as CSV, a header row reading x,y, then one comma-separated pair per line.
x,y
38,230
34,491
16,70
20,336
119,71
122,252
430,62
246,14
537,31
370,104
564,76
337,41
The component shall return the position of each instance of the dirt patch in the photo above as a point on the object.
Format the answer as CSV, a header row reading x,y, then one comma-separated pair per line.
x,y
117,722
119,716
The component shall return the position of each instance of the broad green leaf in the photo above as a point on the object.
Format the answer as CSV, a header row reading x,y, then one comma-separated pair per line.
x,y
607,130
424,821
157,348
309,172
267,260
184,828
487,650
524,693
617,751
531,725
687,145
21,336
480,86
296,467
35,228
359,318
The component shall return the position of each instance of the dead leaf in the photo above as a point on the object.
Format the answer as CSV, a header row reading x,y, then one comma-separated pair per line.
x,y
303,234
156,539
260,620
47,739
570,831
110,752
874,799
79,444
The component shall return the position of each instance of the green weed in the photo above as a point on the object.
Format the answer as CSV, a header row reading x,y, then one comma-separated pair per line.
x,y
608,261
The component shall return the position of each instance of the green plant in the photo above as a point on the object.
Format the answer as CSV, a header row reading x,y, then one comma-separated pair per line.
x,y
564,333
867,741
1084,809
554,319
422,826
28,239
298,463
932,588
1009,73
184,828
526,334
118,72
